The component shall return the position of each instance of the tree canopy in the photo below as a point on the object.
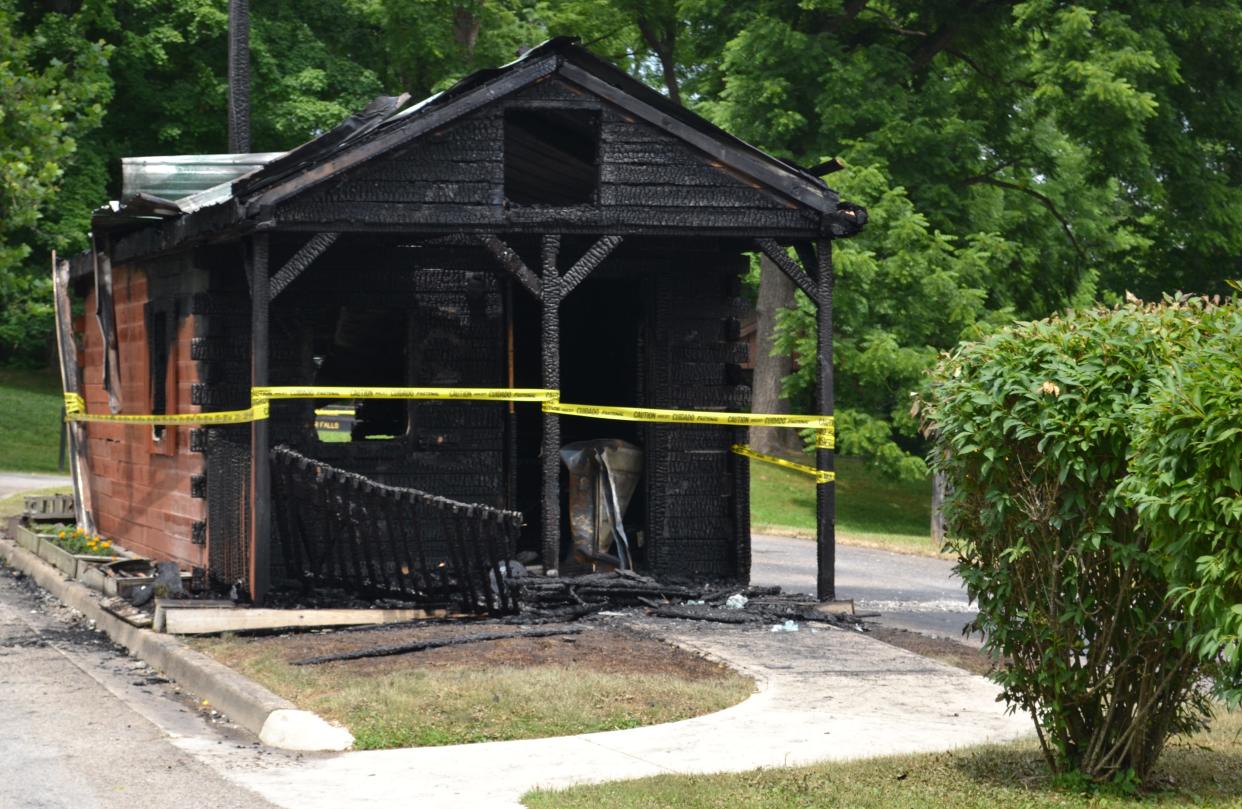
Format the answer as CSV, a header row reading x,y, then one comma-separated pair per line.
x,y
1017,157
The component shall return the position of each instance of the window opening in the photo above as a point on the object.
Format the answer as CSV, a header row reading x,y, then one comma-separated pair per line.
x,y
361,347
551,156
157,352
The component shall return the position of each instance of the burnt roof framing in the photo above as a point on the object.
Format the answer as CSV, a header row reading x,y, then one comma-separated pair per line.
x,y
256,198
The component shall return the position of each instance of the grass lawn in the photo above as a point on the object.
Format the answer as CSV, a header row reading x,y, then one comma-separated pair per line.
x,y
871,510
15,504
397,702
30,403
1205,770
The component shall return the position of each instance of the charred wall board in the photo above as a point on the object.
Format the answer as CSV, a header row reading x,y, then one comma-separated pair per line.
x,y
449,333
647,180
221,347
697,500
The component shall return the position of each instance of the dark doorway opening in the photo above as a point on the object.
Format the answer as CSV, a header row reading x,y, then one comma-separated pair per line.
x,y
602,347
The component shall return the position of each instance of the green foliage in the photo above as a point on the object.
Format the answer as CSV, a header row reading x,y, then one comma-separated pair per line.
x,y
53,87
1186,482
1044,153
1032,429
25,312
904,291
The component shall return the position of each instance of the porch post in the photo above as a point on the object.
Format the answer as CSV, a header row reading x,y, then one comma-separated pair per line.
x,y
825,493
550,298
260,480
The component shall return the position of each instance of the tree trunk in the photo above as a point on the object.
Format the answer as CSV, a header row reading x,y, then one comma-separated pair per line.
x,y
937,509
776,291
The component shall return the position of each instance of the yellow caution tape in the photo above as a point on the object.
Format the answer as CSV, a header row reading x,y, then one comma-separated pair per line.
x,y
820,475
469,394
260,398
688,416
823,425
75,410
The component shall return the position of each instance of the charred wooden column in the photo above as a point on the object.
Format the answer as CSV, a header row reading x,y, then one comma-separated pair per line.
x,y
550,297
260,476
825,493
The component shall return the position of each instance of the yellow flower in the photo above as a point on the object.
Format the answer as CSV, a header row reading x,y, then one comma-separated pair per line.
x,y
107,543
62,534
79,533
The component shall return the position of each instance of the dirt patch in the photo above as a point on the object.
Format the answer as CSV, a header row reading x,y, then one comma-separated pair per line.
x,y
518,687
976,661
605,650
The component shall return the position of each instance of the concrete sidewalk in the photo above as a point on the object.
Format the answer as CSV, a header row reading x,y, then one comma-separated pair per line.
x,y
829,694
824,694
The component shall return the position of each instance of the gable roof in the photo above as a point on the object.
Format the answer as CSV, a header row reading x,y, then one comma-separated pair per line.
x,y
385,125
331,153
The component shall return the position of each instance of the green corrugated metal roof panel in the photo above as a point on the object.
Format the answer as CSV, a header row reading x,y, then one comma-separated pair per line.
x,y
175,177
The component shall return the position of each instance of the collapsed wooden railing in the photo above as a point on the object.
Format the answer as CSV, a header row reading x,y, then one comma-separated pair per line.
x,y
336,527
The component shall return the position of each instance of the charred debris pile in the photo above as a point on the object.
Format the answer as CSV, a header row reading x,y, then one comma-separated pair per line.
x,y
542,599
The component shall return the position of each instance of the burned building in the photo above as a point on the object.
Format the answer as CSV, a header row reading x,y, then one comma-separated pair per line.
x,y
552,225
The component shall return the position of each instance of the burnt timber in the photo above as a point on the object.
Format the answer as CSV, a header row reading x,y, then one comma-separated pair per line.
x,y
551,223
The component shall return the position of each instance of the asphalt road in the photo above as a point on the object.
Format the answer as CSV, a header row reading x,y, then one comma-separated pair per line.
x,y
918,593
83,726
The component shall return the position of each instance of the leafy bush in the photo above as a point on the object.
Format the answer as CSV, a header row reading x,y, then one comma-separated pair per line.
x,y
1186,481
1033,428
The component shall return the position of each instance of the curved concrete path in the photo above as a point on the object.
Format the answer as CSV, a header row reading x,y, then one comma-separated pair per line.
x,y
828,694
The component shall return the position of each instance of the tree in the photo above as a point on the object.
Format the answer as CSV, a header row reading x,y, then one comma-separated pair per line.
x,y
53,88
1035,144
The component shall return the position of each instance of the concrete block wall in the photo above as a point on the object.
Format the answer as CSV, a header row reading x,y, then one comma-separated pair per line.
x,y
140,484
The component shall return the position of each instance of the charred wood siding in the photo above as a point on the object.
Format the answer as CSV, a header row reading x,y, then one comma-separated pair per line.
x,y
648,181
453,337
222,348
697,501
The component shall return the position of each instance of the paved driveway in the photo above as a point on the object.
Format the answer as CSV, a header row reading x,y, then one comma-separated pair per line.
x,y
919,593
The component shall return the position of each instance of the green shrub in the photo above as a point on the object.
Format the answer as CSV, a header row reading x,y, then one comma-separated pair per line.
x,y
1033,428
1186,481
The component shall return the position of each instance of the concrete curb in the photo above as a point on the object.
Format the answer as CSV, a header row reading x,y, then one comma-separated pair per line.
x,y
275,720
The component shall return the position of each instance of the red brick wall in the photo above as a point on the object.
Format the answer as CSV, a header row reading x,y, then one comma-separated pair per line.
x,y
140,486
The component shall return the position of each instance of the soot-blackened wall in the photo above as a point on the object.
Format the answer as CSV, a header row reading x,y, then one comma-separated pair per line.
x,y
698,490
405,325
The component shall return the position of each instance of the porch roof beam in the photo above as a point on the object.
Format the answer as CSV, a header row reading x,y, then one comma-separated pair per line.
x,y
508,259
801,278
301,260
591,259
